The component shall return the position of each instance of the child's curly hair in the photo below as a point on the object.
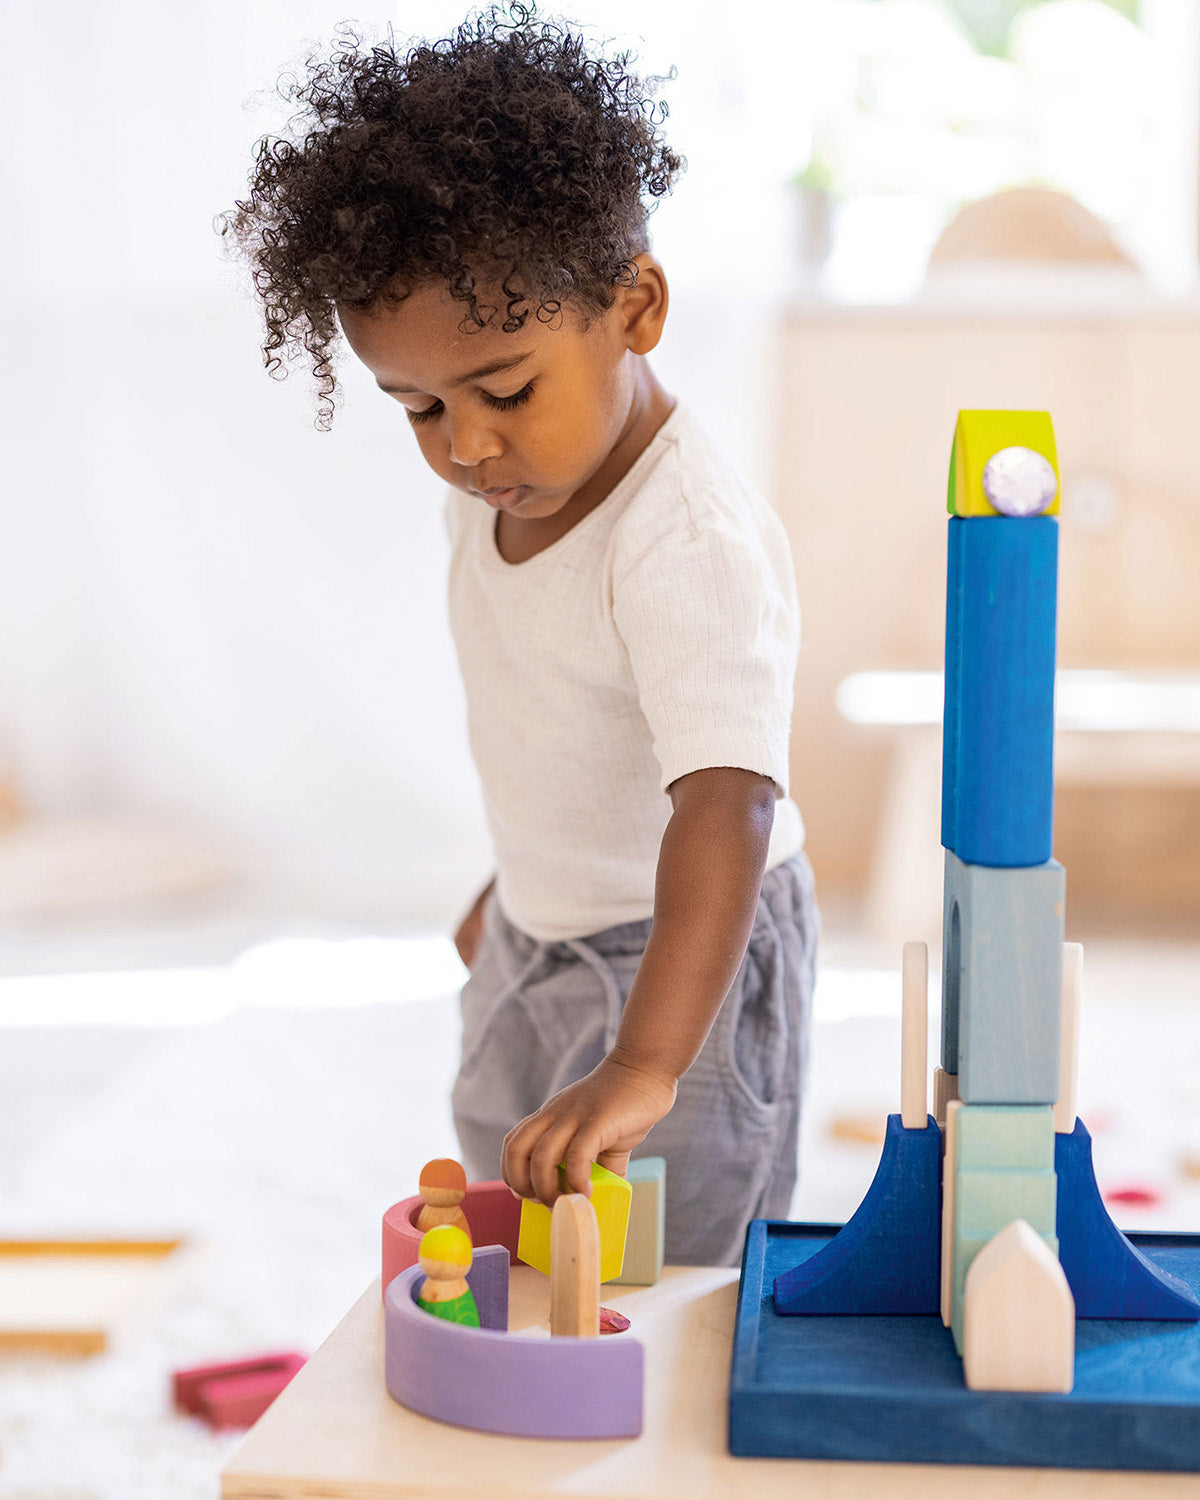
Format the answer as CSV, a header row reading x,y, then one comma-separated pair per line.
x,y
503,154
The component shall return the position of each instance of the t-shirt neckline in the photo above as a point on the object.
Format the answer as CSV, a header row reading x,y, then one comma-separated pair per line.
x,y
636,473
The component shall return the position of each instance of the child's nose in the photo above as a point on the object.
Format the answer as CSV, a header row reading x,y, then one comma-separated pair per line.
x,y
473,440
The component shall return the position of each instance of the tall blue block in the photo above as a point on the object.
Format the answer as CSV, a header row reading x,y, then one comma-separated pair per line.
x,y
998,730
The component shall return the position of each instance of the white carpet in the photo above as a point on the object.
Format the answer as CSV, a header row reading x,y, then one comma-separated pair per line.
x,y
275,1137
256,1110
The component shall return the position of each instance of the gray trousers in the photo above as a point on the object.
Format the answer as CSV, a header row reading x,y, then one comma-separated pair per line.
x,y
538,1016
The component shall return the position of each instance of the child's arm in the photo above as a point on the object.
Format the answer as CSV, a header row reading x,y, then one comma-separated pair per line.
x,y
710,869
470,929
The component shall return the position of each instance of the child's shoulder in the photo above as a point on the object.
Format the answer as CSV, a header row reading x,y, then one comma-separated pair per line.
x,y
693,489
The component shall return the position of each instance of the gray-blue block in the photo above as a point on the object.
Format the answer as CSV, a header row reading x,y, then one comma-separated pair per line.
x,y
1002,980
998,728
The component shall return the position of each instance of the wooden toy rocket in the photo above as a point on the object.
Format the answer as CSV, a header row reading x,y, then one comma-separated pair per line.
x,y
990,1213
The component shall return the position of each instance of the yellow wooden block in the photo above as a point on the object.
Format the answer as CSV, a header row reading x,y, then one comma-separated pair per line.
x,y
978,437
611,1197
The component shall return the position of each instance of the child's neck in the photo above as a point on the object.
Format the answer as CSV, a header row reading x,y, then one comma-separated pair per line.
x,y
649,409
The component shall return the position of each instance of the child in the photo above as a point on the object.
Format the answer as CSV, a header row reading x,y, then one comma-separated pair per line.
x,y
474,217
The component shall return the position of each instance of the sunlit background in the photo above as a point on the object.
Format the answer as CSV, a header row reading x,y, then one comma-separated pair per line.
x,y
223,633
238,817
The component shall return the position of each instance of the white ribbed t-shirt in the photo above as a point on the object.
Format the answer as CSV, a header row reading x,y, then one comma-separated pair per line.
x,y
658,636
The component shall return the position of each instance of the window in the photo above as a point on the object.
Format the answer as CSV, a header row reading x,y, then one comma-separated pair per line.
x,y
923,105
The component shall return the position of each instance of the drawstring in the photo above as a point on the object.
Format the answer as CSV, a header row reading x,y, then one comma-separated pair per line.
x,y
612,991
511,987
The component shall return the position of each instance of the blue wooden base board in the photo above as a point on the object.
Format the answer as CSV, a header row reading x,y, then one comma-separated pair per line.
x,y
891,1388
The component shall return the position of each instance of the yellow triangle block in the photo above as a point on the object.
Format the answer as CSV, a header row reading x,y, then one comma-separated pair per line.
x,y
980,435
611,1197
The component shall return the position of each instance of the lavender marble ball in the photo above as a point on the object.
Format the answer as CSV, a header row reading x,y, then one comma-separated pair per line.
x,y
1020,482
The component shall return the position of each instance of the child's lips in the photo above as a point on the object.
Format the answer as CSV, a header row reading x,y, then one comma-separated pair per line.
x,y
506,498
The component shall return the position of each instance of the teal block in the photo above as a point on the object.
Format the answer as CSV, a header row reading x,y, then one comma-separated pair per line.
x,y
645,1240
1002,980
984,1202
1004,1137
987,1201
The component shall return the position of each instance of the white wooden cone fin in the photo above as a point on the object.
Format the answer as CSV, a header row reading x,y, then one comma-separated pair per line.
x,y
1018,1316
914,1037
1068,1055
574,1268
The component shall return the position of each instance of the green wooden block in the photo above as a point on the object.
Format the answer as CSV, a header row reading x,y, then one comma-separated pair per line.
x,y
646,1237
1004,1137
984,1202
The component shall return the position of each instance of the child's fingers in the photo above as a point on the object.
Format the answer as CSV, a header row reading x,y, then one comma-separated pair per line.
x,y
615,1161
515,1153
578,1160
549,1150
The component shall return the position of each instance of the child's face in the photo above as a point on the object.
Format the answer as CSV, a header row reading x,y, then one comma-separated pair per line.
x,y
523,420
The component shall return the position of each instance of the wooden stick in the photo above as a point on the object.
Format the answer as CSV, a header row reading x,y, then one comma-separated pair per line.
x,y
952,1108
914,1038
1068,1055
574,1268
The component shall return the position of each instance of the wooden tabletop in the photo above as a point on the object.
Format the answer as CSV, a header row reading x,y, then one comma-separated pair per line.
x,y
336,1434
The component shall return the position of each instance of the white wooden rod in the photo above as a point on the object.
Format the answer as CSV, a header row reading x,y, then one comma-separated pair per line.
x,y
914,1037
1068,1053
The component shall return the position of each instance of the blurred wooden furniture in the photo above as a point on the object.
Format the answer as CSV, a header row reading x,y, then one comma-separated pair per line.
x,y
1137,728
12,807
868,400
1028,224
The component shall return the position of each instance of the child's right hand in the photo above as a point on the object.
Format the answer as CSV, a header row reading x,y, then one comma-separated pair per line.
x,y
470,929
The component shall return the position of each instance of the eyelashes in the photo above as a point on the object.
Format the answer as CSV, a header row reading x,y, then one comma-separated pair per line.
x,y
497,403
506,403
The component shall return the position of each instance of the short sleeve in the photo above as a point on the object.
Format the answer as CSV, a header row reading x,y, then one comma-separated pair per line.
x,y
709,618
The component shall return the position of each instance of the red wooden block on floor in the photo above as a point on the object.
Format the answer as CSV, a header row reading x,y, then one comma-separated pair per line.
x,y
234,1394
1134,1197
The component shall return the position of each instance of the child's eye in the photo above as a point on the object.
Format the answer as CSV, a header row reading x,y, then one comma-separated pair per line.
x,y
506,403
499,403
422,416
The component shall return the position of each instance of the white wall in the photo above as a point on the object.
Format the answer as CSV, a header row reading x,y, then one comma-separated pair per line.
x,y
208,609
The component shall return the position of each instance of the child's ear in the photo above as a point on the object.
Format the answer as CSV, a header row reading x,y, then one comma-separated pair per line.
x,y
643,306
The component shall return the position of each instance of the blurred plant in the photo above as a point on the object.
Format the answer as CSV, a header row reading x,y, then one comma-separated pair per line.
x,y
989,22
953,99
819,176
